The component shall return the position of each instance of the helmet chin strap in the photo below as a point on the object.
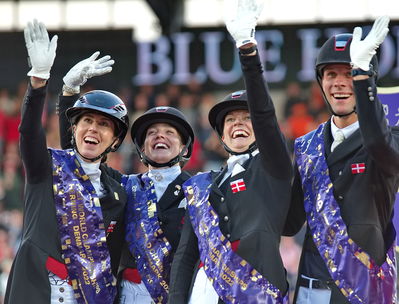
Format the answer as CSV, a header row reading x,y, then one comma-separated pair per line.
x,y
106,151
341,115
252,147
344,115
331,109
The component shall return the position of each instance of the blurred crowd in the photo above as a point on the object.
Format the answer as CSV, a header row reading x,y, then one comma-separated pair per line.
x,y
300,110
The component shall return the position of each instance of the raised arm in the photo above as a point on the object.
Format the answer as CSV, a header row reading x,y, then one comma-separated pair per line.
x,y
241,18
41,52
380,140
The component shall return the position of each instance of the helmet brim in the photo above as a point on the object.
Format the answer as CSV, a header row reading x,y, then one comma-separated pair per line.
x,y
141,124
219,111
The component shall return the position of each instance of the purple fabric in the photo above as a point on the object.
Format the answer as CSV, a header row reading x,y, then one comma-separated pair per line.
x,y
145,238
234,280
81,227
389,97
355,273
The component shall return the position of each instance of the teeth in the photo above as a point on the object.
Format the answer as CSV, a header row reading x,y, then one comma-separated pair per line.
x,y
341,95
91,140
239,133
161,145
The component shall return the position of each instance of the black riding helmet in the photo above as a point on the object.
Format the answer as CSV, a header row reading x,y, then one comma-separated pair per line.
x,y
104,103
234,101
168,115
336,50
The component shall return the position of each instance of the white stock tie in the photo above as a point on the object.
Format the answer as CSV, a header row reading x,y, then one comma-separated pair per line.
x,y
339,138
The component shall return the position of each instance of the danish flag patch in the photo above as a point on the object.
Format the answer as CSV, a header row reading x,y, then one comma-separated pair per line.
x,y
358,168
111,227
238,185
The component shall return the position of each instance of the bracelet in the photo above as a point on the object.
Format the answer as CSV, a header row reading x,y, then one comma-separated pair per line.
x,y
249,50
70,90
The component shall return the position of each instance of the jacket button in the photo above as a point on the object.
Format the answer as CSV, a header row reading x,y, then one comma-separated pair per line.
x,y
62,289
340,197
226,218
371,98
160,223
61,300
340,173
222,199
228,235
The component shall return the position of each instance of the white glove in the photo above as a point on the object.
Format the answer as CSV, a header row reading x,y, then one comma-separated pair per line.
x,y
241,17
41,50
87,68
362,51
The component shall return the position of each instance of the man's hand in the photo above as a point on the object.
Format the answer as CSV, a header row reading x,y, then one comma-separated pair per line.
x,y
362,51
87,68
41,50
241,17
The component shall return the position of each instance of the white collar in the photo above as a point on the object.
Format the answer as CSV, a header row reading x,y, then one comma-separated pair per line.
x,y
234,164
94,173
90,168
348,131
239,159
162,177
164,174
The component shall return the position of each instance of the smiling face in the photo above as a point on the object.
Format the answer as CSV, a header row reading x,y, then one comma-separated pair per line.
x,y
93,134
337,85
238,133
162,143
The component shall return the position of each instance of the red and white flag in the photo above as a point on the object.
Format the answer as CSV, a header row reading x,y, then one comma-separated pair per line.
x,y
111,227
238,185
358,168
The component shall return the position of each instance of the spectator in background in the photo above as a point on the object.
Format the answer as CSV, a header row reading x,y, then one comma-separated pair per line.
x,y
299,121
294,96
316,103
173,92
213,154
13,179
290,252
161,100
6,257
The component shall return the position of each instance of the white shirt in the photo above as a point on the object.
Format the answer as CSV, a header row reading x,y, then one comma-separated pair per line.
x,y
162,178
348,131
94,173
234,164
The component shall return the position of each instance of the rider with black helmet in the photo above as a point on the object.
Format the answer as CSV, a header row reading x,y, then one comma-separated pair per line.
x,y
336,51
103,103
172,117
164,141
74,212
346,181
236,215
